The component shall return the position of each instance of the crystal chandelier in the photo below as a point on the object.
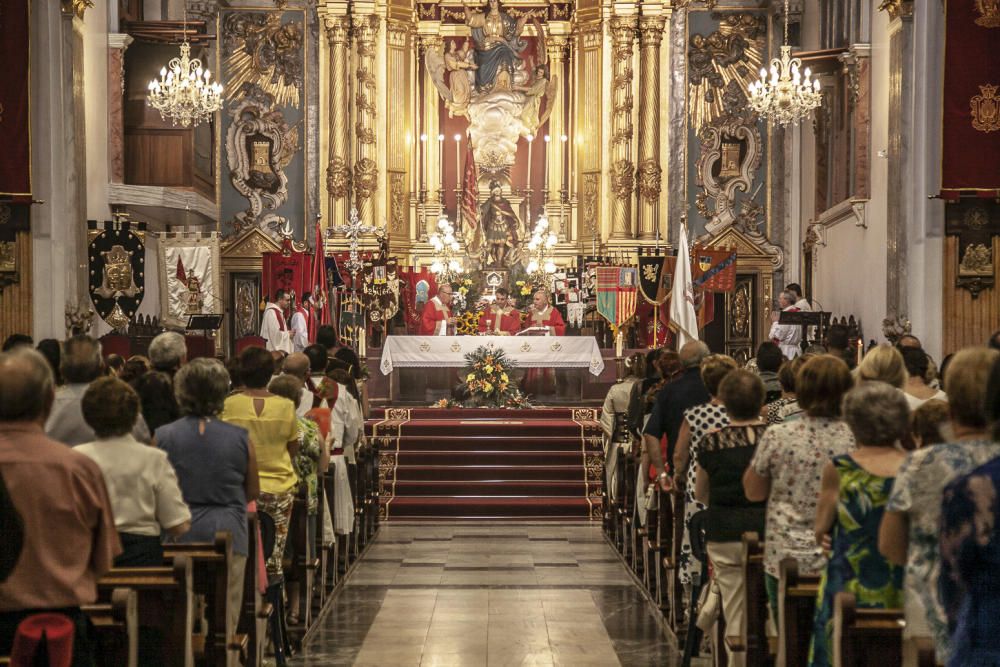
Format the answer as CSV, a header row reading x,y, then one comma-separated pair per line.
x,y
541,243
184,93
785,95
447,265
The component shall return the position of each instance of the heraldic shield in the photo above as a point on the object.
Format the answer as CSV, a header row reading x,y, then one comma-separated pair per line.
x,y
117,259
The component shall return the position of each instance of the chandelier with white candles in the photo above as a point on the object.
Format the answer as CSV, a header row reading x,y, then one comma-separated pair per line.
x,y
447,264
184,93
785,94
541,243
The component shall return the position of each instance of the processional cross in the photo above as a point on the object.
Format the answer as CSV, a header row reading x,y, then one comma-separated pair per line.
x,y
353,230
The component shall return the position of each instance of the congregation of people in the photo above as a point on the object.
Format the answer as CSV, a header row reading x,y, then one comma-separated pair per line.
x,y
878,477
106,462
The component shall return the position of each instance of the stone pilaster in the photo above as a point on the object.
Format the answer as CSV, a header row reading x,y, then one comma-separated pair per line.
x,y
556,151
649,172
623,32
117,44
429,164
397,146
678,130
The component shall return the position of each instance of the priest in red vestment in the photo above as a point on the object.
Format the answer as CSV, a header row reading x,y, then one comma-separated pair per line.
x,y
500,319
436,316
542,314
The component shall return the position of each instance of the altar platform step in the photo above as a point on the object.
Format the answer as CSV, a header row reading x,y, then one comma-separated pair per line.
x,y
491,488
491,473
469,463
479,507
502,441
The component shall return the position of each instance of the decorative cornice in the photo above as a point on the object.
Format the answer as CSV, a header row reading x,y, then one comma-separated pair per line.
x,y
338,29
849,209
651,31
119,40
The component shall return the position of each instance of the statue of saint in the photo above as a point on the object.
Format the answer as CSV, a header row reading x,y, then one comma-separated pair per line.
x,y
500,227
497,35
461,64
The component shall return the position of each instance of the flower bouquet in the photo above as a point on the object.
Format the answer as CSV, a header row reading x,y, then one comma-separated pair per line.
x,y
488,381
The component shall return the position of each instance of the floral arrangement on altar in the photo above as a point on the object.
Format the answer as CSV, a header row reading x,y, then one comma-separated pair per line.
x,y
488,382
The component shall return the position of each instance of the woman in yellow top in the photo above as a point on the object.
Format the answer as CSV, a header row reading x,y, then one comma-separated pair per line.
x,y
274,434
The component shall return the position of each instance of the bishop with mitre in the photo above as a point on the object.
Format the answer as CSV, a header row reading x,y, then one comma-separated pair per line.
x,y
542,314
500,318
436,316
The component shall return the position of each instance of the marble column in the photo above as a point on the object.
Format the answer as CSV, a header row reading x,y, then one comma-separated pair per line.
x,y
649,172
397,123
117,44
623,31
366,27
588,93
338,169
678,132
899,167
556,150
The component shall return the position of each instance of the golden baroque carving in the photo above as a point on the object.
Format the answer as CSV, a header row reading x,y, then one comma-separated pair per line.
x,y
338,178
591,35
897,8
651,31
338,29
397,34
989,13
365,32
365,178
649,180
591,190
985,108
397,210
76,7
623,179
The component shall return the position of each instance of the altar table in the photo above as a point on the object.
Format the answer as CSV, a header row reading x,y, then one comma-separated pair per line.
x,y
525,351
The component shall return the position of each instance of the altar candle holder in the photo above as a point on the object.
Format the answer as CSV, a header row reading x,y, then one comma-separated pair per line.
x,y
458,182
545,183
441,160
527,183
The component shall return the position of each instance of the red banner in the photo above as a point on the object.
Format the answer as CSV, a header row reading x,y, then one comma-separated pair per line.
x,y
971,125
291,272
713,270
15,128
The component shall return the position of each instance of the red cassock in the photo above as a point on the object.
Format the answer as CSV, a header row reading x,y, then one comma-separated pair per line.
x,y
497,322
549,317
433,313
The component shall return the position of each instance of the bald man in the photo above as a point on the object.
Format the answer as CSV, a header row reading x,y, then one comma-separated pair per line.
x,y
297,365
542,314
70,539
685,392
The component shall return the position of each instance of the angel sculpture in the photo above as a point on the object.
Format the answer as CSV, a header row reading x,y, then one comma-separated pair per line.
x,y
462,66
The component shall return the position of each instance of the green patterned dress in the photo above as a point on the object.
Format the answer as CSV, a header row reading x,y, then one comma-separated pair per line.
x,y
855,565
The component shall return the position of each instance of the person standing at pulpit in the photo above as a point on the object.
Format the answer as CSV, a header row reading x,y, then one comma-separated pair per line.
x,y
274,329
786,336
542,314
500,318
436,316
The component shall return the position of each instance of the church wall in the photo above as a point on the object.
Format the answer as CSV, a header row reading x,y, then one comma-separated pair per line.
x,y
95,76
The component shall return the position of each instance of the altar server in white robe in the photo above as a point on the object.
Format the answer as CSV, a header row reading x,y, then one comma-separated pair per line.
x,y
274,329
787,336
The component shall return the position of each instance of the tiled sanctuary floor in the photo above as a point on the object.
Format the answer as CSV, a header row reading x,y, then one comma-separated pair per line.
x,y
477,594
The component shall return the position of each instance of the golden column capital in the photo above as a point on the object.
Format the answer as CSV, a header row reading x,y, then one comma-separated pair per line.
x,y
623,33
338,29
651,31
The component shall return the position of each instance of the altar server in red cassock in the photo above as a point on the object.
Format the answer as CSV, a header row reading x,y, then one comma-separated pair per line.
x,y
500,319
542,314
436,316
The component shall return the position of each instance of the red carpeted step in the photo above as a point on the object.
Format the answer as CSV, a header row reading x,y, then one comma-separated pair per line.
x,y
497,487
487,458
492,442
487,507
568,473
476,427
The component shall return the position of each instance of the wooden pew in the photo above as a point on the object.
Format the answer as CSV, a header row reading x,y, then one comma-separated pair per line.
x,y
334,552
663,550
115,629
865,637
645,537
626,519
164,603
254,614
752,639
674,587
304,564
796,612
210,563
319,587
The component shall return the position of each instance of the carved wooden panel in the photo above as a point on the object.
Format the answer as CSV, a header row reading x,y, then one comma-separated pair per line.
x,y
741,318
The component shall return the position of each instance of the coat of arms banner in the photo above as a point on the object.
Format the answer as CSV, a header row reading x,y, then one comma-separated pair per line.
x,y
971,127
117,266
616,293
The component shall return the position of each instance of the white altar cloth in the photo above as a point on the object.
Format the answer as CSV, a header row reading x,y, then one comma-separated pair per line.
x,y
525,351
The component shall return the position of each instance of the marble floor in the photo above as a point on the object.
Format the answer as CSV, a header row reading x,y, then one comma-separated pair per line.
x,y
473,594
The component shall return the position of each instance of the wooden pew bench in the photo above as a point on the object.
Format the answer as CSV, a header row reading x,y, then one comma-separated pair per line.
x,y
210,564
866,637
796,612
752,641
164,604
255,611
115,631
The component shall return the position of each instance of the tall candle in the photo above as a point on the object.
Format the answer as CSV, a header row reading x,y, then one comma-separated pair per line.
x,y
619,344
562,161
423,163
545,183
458,161
441,160
527,184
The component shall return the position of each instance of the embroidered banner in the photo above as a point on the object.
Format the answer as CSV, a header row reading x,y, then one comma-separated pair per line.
x,y
971,126
117,258
15,128
714,270
616,293
190,277
290,271
655,276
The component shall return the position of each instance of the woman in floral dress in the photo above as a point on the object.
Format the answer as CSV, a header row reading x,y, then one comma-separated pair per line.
x,y
854,493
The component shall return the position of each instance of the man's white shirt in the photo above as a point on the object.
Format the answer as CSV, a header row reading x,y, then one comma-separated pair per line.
x,y
788,336
270,331
300,331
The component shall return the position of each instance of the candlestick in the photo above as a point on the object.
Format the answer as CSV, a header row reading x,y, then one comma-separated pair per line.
x,y
562,161
545,183
441,160
362,342
458,162
423,163
619,344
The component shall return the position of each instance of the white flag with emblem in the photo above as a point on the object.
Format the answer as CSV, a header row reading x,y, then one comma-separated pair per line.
x,y
683,318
